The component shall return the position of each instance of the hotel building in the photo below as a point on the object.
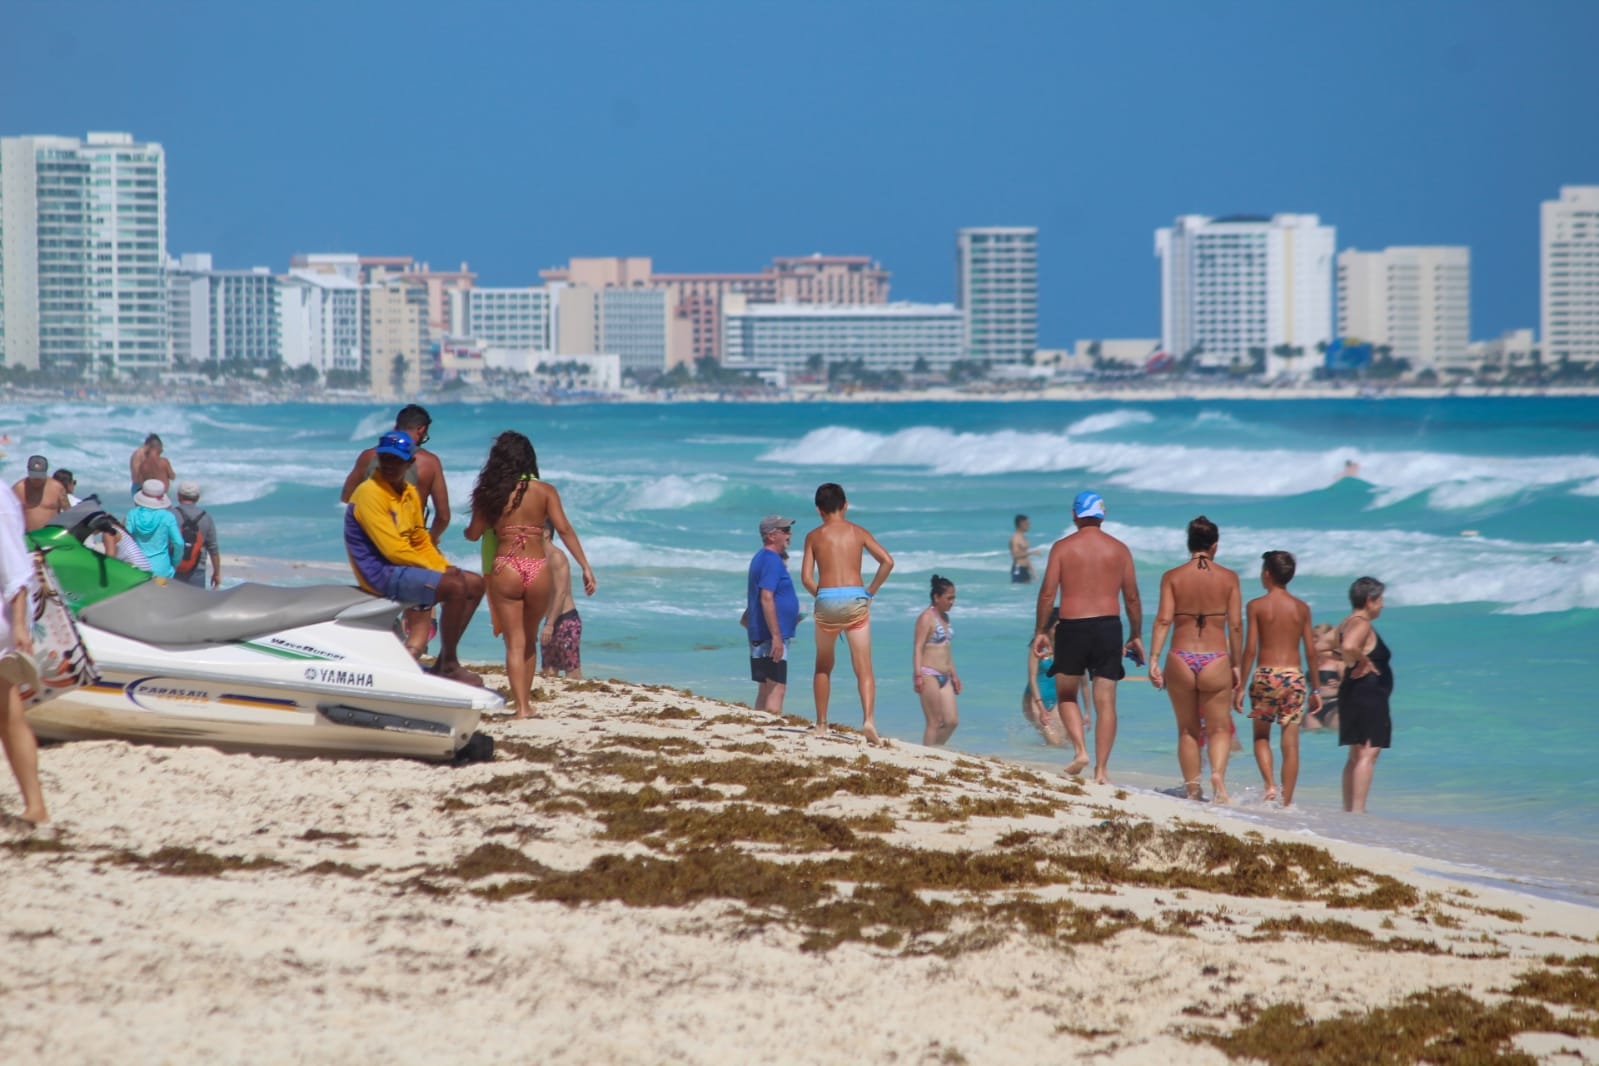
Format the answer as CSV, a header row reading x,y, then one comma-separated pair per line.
x,y
394,336
516,318
245,322
1414,300
996,284
1569,276
788,336
696,299
189,310
1229,285
83,254
323,319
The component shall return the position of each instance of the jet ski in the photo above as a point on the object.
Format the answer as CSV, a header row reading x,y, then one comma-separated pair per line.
x,y
313,670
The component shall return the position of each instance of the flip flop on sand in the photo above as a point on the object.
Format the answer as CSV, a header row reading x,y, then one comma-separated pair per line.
x,y
19,668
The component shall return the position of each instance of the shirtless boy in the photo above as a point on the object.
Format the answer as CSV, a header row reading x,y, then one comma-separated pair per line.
x,y
831,571
1278,623
1093,572
149,461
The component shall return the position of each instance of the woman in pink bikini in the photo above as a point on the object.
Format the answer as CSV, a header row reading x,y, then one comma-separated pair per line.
x,y
510,500
1201,604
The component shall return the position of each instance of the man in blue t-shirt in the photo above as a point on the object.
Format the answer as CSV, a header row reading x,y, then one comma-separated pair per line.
x,y
771,613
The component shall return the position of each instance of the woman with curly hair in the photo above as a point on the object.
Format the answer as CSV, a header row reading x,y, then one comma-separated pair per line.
x,y
510,500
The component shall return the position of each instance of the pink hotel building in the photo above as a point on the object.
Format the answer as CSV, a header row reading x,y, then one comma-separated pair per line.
x,y
806,279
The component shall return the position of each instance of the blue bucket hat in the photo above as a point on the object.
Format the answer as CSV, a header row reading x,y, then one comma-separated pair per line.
x,y
398,444
1088,505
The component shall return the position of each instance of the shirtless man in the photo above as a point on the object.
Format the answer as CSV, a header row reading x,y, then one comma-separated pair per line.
x,y
1279,623
427,474
561,636
1021,553
831,571
1090,569
149,461
42,496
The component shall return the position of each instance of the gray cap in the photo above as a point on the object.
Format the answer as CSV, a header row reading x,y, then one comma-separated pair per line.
x,y
774,522
188,490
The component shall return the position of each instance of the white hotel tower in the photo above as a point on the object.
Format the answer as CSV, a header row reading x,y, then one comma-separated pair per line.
x,y
1414,300
996,285
83,233
1228,285
1569,295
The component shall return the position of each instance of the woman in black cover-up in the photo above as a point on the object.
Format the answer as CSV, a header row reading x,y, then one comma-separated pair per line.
x,y
1365,726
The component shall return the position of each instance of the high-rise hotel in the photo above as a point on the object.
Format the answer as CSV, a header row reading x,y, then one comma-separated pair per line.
x,y
1569,294
1230,285
1416,301
83,229
996,285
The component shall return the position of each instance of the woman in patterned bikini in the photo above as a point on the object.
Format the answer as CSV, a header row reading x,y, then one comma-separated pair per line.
x,y
1200,603
510,499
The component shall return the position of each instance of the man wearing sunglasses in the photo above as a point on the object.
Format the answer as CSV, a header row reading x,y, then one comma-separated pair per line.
x,y
427,474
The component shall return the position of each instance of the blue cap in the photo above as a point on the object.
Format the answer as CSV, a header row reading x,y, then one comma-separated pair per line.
x,y
396,443
1088,505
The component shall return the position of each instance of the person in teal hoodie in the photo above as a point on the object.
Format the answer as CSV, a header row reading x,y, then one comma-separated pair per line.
x,y
155,529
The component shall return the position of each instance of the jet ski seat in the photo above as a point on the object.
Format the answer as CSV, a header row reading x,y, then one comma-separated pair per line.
x,y
179,614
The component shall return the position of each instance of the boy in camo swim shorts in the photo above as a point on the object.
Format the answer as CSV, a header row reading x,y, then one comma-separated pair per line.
x,y
1278,625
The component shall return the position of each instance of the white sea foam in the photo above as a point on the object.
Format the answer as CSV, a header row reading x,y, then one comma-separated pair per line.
x,y
1420,569
1589,489
372,426
1110,420
622,553
672,492
1452,481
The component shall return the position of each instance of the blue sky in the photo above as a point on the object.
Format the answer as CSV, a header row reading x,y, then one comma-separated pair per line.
x,y
715,135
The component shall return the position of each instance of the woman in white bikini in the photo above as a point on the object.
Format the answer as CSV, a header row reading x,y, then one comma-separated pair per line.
x,y
510,499
1200,603
933,664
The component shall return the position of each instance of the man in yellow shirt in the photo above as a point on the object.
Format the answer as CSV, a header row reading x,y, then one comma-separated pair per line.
x,y
393,555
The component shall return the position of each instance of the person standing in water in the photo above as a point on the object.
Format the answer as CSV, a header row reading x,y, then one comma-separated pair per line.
x,y
933,664
831,571
510,499
1365,726
1021,553
1093,573
1279,623
1039,704
1201,605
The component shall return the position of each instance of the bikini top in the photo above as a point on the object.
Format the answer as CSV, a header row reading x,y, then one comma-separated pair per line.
x,y
941,633
518,535
1201,562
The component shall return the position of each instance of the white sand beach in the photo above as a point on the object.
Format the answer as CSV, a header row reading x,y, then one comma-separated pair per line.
x,y
645,876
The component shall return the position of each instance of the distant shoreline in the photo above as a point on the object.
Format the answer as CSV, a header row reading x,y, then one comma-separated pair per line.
x,y
1077,392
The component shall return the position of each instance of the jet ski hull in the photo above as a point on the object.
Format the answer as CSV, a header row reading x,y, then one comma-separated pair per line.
x,y
332,688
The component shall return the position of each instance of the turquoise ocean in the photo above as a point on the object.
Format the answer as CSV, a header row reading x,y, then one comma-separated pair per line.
x,y
1480,514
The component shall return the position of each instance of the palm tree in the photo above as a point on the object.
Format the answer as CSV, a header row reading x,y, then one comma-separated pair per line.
x,y
397,371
